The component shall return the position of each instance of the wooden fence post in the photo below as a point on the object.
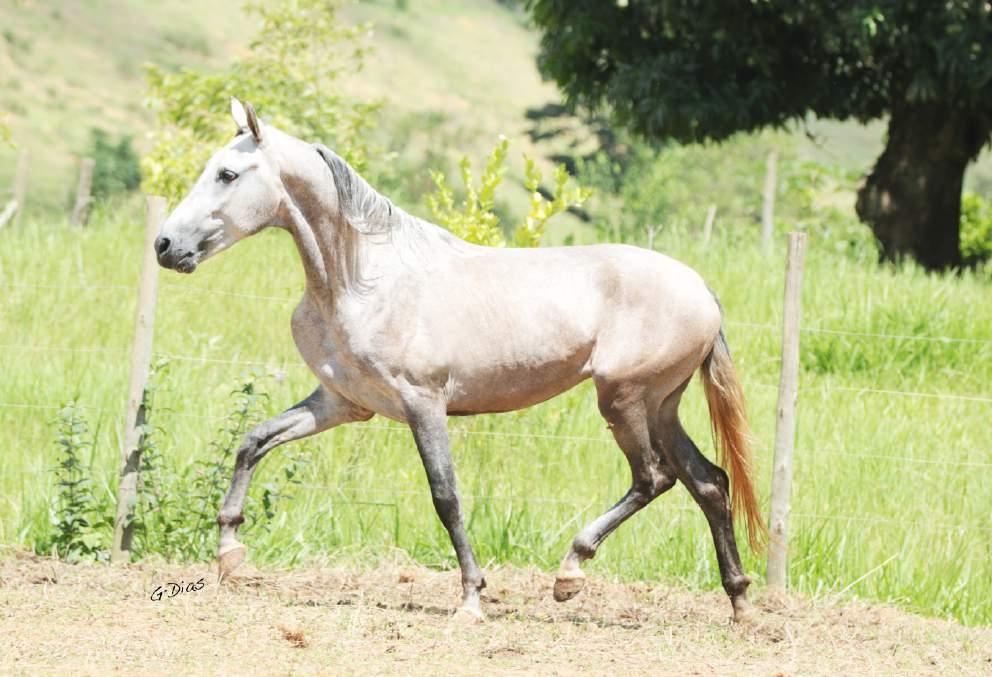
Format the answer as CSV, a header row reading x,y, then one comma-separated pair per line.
x,y
7,212
652,231
141,355
768,206
785,423
708,225
82,207
21,185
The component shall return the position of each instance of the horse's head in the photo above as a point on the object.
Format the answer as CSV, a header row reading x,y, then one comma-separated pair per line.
x,y
238,194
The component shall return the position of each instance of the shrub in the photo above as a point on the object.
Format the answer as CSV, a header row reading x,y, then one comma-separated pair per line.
x,y
176,504
475,219
117,168
976,229
81,522
289,75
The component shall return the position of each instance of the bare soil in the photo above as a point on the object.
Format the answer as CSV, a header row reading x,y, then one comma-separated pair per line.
x,y
395,619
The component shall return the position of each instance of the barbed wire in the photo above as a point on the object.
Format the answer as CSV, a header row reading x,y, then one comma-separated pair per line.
x,y
865,334
902,393
192,289
288,362
609,441
103,410
233,294
589,505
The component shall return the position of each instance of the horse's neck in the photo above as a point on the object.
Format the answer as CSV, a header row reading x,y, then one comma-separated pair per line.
x,y
336,258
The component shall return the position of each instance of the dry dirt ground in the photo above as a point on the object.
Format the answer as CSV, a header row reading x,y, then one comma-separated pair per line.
x,y
92,619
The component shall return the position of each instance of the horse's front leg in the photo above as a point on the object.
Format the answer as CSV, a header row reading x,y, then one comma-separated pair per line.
x,y
429,423
323,409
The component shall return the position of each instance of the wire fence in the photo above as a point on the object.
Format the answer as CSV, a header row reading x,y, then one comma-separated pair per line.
x,y
767,326
604,440
292,362
382,498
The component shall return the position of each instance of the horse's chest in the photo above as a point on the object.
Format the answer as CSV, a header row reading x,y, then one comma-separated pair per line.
x,y
356,377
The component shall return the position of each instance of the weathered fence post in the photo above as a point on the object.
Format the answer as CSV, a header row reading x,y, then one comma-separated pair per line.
x,y
82,207
652,231
141,355
21,185
768,206
7,212
785,423
708,225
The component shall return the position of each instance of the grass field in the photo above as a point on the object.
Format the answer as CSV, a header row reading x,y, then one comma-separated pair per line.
x,y
891,494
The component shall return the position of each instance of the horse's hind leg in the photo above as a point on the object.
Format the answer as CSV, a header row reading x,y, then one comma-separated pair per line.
x,y
710,488
650,477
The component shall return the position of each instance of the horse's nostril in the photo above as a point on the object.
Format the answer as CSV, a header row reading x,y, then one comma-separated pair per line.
x,y
162,245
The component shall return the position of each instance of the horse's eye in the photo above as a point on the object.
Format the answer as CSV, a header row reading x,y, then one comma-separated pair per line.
x,y
226,175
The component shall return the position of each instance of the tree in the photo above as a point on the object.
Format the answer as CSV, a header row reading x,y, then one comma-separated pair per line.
x,y
695,70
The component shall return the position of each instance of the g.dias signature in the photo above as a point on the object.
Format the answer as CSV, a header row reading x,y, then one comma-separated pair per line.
x,y
172,589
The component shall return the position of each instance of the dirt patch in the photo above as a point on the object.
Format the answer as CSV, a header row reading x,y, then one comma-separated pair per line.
x,y
395,619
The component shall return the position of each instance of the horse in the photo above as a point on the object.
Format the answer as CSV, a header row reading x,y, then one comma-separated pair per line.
x,y
401,318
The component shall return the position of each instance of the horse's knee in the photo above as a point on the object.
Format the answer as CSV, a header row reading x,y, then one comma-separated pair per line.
x,y
662,483
654,483
713,496
250,445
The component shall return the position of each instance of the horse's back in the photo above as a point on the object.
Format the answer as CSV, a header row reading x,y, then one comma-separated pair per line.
x,y
544,319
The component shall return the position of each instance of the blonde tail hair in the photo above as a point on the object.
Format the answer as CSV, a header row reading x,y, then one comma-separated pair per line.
x,y
732,437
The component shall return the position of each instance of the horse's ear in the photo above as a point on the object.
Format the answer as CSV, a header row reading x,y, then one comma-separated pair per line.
x,y
239,115
256,129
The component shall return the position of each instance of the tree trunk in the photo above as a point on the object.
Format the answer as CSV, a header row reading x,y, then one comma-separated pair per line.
x,y
912,198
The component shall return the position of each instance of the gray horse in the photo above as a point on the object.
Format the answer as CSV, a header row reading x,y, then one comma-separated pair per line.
x,y
402,319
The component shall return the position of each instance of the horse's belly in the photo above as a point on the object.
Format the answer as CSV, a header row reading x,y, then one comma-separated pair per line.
x,y
500,386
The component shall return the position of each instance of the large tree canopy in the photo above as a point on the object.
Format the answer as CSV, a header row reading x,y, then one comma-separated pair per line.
x,y
697,70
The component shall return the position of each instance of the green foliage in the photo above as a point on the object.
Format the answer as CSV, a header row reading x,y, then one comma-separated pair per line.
x,y
81,522
209,478
529,480
976,229
667,191
178,503
566,195
474,218
5,137
696,71
117,168
301,49
692,72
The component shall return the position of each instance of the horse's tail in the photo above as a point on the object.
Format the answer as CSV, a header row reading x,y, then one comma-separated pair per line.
x,y
732,436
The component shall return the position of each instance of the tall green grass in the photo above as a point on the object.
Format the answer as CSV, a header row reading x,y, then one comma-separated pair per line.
x,y
884,506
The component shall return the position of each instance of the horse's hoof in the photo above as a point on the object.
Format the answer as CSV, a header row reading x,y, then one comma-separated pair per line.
x,y
569,585
230,558
465,615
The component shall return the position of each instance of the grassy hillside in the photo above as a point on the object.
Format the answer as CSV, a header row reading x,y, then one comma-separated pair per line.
x,y
452,76
68,66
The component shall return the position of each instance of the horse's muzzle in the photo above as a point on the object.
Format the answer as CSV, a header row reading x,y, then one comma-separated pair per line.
x,y
174,258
